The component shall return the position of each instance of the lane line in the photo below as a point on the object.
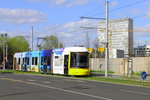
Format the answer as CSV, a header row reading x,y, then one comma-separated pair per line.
x,y
30,80
46,82
98,97
50,87
74,80
135,92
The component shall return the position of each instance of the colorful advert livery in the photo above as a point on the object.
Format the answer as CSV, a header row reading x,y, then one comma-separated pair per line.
x,y
65,61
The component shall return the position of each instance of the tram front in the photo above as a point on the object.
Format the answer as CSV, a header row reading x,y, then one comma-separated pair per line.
x,y
79,63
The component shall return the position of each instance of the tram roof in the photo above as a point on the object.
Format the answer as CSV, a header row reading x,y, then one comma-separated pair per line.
x,y
75,49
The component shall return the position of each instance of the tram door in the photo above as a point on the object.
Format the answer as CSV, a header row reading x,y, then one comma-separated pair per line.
x,y
66,64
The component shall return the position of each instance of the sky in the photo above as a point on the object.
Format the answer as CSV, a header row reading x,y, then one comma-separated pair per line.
x,y
62,18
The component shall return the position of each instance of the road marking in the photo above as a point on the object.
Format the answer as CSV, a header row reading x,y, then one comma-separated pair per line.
x,y
74,80
98,97
30,80
50,87
135,92
46,82
69,80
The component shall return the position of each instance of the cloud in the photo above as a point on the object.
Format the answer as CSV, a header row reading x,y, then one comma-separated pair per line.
x,y
72,33
66,34
69,33
77,2
133,11
67,3
21,16
147,15
114,3
142,31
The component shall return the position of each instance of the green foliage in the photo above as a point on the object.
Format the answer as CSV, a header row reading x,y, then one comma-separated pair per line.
x,y
18,44
51,42
15,44
101,79
102,72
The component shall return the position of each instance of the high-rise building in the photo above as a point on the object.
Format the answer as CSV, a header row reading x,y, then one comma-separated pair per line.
x,y
142,51
120,35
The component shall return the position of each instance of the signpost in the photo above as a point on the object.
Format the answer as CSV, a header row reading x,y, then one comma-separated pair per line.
x,y
143,76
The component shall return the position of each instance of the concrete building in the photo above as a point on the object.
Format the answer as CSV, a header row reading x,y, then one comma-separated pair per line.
x,y
120,35
142,51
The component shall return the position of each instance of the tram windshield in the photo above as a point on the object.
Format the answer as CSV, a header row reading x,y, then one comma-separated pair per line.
x,y
80,59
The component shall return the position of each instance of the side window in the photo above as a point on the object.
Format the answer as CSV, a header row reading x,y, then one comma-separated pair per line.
x,y
49,60
66,60
41,60
73,60
19,61
35,60
27,60
56,57
32,60
23,60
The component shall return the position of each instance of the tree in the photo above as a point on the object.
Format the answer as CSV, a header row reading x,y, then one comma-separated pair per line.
x,y
18,44
51,42
15,44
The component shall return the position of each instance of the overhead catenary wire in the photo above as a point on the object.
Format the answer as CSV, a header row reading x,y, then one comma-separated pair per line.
x,y
111,10
140,16
91,11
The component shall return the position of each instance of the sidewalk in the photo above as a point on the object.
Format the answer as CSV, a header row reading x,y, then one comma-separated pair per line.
x,y
117,76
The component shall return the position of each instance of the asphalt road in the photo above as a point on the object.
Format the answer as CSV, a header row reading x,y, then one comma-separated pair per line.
x,y
36,87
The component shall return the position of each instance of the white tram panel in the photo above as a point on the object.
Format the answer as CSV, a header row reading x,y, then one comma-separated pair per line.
x,y
58,58
75,49
18,61
58,61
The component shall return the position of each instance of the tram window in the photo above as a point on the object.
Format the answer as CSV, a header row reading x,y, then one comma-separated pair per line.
x,y
56,57
45,58
82,60
35,60
66,60
73,60
32,60
18,60
49,60
27,60
79,60
23,60
41,60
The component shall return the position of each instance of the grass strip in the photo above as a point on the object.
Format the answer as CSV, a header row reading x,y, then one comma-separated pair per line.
x,y
121,80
